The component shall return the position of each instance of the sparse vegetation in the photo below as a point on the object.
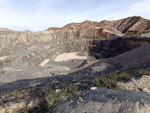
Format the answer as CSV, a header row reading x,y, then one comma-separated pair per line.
x,y
1,102
124,76
14,93
109,81
85,86
137,72
52,97
25,109
6,111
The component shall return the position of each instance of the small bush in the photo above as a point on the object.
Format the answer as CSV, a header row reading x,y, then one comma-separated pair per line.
x,y
54,97
1,102
14,93
109,81
138,73
124,76
85,86
25,109
41,108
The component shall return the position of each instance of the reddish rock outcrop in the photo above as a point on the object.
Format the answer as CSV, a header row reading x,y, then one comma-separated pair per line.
x,y
104,29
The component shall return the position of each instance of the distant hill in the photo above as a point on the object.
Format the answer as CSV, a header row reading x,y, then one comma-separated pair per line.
x,y
135,25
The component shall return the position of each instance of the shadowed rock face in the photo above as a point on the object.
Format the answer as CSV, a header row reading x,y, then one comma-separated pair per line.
x,y
115,46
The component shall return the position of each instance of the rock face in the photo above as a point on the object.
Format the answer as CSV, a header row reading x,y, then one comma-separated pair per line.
x,y
106,101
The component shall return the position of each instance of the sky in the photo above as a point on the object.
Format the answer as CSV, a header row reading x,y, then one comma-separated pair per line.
x,y
37,15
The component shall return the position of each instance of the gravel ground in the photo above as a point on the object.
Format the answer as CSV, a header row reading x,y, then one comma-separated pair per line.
x,y
106,101
141,84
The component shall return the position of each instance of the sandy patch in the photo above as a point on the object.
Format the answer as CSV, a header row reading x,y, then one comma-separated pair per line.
x,y
69,56
44,62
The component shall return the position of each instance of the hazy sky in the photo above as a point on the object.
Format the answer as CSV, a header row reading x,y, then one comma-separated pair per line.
x,y
38,15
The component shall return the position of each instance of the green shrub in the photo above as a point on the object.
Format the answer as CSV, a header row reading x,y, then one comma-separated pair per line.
x,y
25,109
138,73
85,86
109,81
124,76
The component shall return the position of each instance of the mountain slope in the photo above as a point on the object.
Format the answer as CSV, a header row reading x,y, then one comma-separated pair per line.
x,y
135,23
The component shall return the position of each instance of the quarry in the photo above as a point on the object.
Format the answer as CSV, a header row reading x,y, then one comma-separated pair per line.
x,y
101,66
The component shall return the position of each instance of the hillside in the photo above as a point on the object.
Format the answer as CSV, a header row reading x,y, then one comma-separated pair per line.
x,y
135,23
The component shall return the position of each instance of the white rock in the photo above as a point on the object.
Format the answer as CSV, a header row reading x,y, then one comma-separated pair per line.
x,y
133,79
58,90
78,83
145,90
93,88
